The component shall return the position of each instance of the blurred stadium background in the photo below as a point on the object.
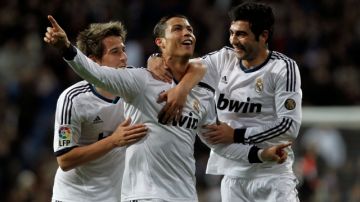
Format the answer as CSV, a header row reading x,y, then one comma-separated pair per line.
x,y
323,36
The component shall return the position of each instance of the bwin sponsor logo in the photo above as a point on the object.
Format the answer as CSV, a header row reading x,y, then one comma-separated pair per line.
x,y
186,121
236,106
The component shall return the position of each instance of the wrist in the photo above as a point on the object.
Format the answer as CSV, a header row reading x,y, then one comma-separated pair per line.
x,y
239,135
259,154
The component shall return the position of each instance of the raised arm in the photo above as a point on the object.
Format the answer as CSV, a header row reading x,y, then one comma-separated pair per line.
x,y
127,83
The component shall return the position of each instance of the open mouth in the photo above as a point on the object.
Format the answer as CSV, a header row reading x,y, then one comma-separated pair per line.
x,y
187,42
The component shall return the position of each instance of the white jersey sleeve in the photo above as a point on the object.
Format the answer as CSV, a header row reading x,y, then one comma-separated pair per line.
x,y
214,62
288,97
67,127
125,82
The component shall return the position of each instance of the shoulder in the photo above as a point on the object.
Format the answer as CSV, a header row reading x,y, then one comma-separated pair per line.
x,y
281,58
204,91
225,51
75,91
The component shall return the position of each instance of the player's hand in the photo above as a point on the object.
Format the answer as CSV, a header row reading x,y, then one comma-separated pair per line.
x,y
126,134
276,153
158,69
55,35
219,133
175,101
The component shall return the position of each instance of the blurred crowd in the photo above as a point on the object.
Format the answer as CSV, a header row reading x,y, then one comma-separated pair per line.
x,y
323,36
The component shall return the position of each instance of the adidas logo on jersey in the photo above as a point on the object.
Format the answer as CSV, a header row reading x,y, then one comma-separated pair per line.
x,y
236,106
97,120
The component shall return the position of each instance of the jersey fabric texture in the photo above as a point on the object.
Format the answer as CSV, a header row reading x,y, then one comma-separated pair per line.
x,y
263,103
83,117
161,165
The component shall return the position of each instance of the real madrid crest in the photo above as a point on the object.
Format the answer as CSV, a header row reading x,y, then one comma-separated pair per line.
x,y
290,104
259,85
196,105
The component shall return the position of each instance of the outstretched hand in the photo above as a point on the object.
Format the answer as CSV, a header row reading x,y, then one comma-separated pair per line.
x,y
276,153
55,35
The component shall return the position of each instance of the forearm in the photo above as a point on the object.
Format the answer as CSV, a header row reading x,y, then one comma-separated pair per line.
x,y
84,154
193,76
285,128
237,152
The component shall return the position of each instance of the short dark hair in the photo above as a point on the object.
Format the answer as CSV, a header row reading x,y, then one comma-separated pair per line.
x,y
159,29
260,17
89,41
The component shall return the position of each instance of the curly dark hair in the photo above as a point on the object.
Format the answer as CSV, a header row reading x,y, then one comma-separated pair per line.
x,y
260,17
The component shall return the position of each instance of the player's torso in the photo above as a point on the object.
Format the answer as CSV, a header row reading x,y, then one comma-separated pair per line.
x,y
246,98
101,178
162,164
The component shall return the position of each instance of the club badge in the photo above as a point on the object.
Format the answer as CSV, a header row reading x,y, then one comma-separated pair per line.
x,y
259,85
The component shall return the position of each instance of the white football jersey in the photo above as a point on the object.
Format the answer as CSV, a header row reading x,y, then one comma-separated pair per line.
x,y
264,101
161,165
83,117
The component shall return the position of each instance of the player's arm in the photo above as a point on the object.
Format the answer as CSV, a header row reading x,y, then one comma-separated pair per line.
x,y
241,152
250,153
175,98
125,134
123,82
287,98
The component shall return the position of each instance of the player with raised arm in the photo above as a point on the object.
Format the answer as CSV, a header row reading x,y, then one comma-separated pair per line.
x,y
161,166
88,143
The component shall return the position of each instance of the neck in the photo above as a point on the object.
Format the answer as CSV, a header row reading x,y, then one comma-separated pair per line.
x,y
177,66
105,93
258,60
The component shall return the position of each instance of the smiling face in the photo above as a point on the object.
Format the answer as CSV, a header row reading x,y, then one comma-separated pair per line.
x,y
114,52
178,40
244,42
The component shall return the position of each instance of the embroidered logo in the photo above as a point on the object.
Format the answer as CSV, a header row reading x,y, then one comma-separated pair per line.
x,y
290,104
259,85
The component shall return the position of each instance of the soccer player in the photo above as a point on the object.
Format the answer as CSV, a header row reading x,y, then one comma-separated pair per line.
x,y
160,167
88,143
259,98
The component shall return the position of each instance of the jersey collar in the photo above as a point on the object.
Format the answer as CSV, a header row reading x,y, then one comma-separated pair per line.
x,y
97,94
246,70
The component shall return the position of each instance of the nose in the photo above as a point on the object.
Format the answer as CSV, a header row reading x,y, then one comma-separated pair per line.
x,y
232,39
123,57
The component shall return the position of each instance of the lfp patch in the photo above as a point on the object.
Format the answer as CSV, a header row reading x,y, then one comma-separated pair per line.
x,y
65,134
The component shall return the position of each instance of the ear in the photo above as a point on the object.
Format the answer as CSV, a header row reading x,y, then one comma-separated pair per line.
x,y
264,35
160,43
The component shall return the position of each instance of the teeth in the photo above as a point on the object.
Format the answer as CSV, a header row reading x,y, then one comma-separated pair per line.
x,y
187,42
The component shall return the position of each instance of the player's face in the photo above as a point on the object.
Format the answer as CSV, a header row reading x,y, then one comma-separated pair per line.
x,y
179,38
114,52
243,40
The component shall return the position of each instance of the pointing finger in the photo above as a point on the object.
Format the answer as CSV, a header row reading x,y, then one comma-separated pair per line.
x,y
53,22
